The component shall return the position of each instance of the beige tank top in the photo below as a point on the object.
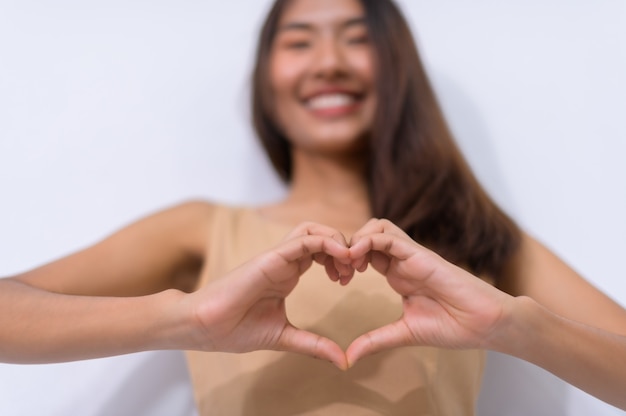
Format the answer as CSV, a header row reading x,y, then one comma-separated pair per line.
x,y
404,381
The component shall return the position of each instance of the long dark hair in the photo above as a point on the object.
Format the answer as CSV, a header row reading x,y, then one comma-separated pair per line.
x,y
416,175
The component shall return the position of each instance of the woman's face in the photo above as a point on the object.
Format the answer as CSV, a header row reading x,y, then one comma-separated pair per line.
x,y
322,75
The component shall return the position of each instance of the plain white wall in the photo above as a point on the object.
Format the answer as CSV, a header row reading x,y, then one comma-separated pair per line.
x,y
112,110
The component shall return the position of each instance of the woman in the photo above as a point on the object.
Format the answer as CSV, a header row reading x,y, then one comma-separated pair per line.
x,y
339,81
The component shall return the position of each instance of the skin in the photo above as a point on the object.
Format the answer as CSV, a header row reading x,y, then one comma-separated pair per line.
x,y
322,46
445,306
130,292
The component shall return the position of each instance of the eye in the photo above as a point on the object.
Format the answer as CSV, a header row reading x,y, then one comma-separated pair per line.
x,y
301,44
356,36
294,40
358,40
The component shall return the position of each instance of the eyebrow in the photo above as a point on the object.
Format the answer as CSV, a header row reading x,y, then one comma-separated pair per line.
x,y
355,21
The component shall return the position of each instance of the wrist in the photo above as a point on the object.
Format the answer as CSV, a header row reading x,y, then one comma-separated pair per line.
x,y
520,325
174,325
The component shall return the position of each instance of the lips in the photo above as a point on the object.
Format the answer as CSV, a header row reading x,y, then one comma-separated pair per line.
x,y
326,101
333,103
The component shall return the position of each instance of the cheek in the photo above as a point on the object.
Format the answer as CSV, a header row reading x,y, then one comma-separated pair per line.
x,y
283,74
362,63
282,78
364,66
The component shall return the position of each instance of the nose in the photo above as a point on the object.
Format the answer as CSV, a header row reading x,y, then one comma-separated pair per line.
x,y
329,59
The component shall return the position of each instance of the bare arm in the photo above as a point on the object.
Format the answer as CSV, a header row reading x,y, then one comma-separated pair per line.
x,y
38,326
162,251
564,324
240,312
104,300
585,356
537,273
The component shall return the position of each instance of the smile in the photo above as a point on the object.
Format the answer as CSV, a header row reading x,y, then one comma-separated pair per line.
x,y
333,104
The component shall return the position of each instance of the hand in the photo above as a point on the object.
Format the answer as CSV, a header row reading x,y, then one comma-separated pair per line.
x,y
444,306
245,309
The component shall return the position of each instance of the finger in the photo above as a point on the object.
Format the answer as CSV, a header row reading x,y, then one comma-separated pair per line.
x,y
389,244
334,268
344,279
380,261
384,250
312,228
304,342
321,258
377,226
360,264
283,263
331,270
393,335
370,227
344,265
310,245
290,259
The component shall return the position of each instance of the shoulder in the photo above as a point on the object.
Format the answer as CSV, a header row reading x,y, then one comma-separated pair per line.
x,y
194,223
180,229
155,252
192,207
188,223
529,261
192,212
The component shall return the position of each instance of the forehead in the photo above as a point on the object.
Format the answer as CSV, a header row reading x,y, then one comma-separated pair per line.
x,y
321,12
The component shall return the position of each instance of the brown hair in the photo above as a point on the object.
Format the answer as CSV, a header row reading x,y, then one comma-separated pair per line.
x,y
416,175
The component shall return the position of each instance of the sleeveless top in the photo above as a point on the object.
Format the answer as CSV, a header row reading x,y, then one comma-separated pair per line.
x,y
403,381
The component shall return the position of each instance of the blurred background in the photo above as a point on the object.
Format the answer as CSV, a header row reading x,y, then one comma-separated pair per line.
x,y
111,110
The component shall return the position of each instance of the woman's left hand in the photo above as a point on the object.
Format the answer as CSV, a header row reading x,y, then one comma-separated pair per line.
x,y
443,305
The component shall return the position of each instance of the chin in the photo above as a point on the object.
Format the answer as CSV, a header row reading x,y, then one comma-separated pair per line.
x,y
337,145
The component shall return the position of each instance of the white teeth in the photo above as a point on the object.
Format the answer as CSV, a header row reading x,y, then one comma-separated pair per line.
x,y
325,101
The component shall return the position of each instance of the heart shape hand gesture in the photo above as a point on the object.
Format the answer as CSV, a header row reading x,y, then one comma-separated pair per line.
x,y
443,305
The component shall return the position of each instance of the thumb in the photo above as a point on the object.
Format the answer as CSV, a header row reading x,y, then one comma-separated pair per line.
x,y
395,334
304,342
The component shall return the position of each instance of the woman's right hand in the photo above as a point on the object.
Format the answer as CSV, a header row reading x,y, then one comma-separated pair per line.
x,y
245,309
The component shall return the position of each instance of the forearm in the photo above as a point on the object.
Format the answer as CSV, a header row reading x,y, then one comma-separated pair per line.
x,y
37,326
586,357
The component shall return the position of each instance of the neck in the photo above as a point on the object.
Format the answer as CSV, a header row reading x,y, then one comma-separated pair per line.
x,y
330,191
336,182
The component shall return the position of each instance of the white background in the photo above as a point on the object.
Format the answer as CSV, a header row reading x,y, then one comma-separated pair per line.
x,y
110,110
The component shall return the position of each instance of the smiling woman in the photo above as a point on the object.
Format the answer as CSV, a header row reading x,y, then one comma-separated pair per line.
x,y
350,122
